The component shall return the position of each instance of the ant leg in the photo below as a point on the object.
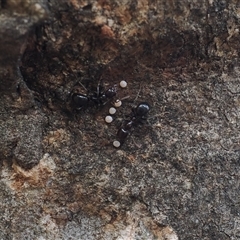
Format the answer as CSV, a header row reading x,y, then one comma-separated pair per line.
x,y
68,68
98,89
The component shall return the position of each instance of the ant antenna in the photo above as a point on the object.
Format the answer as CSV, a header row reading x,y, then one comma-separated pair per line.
x,y
79,82
70,69
99,86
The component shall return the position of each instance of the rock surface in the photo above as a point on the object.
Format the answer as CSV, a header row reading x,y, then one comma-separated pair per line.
x,y
176,176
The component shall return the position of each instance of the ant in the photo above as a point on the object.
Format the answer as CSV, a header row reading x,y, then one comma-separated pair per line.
x,y
98,98
138,114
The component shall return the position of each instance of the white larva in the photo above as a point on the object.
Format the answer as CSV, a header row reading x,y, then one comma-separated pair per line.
x,y
108,119
118,103
123,84
112,110
116,144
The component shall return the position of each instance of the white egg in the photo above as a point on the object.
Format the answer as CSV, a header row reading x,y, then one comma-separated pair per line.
x,y
116,144
112,110
118,103
108,119
123,84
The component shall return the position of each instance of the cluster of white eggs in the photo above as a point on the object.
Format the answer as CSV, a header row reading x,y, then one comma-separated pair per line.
x,y
117,104
113,110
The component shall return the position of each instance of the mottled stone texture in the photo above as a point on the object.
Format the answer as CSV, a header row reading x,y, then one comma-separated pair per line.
x,y
176,176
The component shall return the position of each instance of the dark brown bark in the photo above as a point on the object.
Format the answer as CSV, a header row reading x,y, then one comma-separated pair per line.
x,y
179,170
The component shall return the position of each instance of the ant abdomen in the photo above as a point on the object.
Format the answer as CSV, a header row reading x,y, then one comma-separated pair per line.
x,y
122,134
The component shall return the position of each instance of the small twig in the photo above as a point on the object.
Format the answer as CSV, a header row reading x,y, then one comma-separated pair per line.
x,y
138,93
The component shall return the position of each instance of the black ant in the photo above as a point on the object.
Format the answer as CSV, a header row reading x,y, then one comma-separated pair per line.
x,y
138,114
98,98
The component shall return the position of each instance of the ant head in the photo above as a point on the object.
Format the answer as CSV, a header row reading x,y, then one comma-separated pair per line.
x,y
111,92
142,109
